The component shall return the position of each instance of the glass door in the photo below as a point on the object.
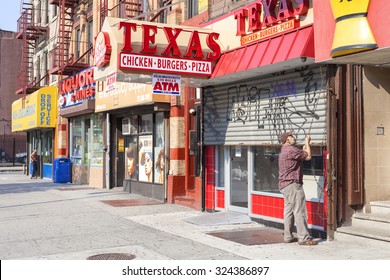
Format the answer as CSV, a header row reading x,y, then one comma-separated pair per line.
x,y
239,179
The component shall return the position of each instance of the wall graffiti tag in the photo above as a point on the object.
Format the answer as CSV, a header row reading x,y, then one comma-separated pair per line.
x,y
289,104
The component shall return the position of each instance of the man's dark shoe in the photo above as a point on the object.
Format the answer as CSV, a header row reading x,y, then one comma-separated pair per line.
x,y
309,242
291,240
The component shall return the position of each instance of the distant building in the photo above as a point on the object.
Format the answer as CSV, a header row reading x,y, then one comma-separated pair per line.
x,y
10,49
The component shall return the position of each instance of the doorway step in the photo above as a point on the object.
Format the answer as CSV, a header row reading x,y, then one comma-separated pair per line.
x,y
189,199
369,228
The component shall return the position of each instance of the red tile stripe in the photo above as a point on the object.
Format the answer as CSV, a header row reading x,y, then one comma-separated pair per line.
x,y
177,111
177,153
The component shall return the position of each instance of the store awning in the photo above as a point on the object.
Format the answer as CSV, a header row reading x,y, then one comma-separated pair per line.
x,y
287,50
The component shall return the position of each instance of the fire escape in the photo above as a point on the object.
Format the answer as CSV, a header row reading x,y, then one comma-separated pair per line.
x,y
132,9
28,32
64,61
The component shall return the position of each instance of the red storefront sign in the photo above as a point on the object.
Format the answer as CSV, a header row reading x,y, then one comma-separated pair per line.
x,y
267,18
172,58
74,89
102,50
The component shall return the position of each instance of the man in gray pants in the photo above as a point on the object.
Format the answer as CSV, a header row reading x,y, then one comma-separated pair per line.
x,y
290,185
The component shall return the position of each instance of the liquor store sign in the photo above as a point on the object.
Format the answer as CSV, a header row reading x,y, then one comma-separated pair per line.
x,y
164,49
75,89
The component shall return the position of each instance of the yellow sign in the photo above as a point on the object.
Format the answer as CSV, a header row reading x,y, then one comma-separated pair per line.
x,y
121,145
353,32
37,110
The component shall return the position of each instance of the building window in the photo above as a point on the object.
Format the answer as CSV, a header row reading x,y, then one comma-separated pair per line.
x,y
90,33
38,13
46,12
45,67
90,39
38,70
78,41
192,8
54,7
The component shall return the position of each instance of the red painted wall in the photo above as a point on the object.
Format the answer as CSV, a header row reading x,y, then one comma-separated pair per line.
x,y
324,25
210,178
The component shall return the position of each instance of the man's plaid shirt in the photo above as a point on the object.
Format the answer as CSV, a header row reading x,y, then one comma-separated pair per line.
x,y
290,162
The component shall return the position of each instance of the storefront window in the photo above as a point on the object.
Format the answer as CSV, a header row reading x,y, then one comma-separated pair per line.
x,y
266,169
131,165
86,146
159,150
76,141
145,161
315,166
133,125
86,140
145,148
47,147
146,123
97,140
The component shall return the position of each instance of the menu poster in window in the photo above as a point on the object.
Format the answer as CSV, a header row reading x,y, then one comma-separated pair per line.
x,y
145,158
131,162
159,165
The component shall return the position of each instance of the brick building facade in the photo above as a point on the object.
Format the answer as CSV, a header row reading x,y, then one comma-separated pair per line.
x,y
10,49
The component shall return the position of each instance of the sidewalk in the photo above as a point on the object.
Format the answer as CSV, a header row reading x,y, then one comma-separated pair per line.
x,y
43,220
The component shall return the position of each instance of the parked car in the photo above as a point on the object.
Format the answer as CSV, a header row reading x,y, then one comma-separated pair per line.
x,y
21,157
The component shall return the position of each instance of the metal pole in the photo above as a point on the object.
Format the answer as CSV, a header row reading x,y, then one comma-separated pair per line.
x,y
3,153
13,153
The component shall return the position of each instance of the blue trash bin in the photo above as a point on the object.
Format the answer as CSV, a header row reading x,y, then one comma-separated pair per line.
x,y
62,170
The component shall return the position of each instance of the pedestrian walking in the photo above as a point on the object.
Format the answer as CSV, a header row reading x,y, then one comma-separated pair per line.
x,y
291,186
34,161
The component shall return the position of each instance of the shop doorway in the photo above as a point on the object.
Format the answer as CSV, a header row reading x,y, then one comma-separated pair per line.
x,y
239,179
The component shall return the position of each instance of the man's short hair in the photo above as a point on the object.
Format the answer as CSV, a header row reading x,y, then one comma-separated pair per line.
x,y
283,137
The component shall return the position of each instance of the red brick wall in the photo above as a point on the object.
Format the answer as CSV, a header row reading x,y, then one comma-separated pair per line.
x,y
10,52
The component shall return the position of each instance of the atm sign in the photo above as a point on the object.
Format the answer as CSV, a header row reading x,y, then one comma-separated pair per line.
x,y
166,84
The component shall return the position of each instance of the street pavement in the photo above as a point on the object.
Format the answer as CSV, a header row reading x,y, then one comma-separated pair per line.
x,y
41,220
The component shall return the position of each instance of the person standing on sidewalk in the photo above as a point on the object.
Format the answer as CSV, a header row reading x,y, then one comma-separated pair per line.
x,y
34,161
290,185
